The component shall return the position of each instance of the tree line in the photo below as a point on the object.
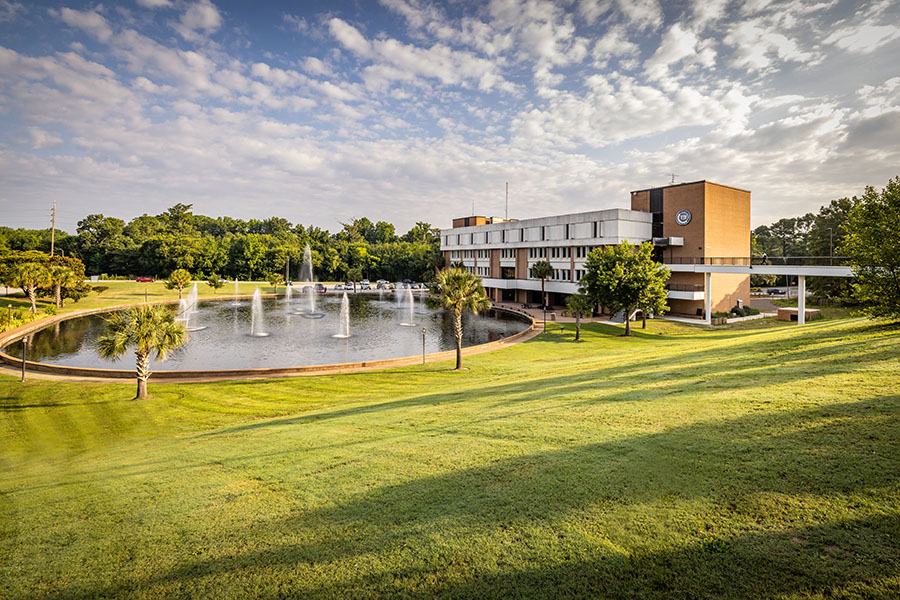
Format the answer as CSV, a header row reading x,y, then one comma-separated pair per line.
x,y
237,249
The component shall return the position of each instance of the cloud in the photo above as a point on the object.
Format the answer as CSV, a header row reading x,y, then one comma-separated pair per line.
x,y
863,39
9,10
154,4
397,61
198,20
678,44
40,138
758,47
89,20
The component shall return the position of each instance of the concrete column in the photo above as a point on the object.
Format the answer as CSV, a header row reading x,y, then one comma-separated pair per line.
x,y
707,296
801,299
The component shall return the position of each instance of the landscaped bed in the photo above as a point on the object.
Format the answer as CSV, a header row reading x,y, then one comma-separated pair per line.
x,y
746,462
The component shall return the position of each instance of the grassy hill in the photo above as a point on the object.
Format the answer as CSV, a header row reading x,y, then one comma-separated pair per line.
x,y
751,462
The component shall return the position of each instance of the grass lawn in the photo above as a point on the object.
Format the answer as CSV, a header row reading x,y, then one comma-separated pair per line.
x,y
757,461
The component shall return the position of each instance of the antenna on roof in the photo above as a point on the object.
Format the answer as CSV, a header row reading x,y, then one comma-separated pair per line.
x,y
673,177
506,217
473,207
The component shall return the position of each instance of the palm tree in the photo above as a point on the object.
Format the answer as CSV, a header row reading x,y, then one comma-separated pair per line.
x,y
148,329
579,306
460,291
542,270
61,276
30,276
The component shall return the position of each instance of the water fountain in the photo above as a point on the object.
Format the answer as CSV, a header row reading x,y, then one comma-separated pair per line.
x,y
190,309
236,294
406,297
288,292
307,278
257,326
344,324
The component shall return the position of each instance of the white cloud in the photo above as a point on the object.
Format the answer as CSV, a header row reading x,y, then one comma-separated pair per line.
x,y
396,61
154,4
863,39
200,19
757,47
349,37
9,10
88,20
40,138
678,44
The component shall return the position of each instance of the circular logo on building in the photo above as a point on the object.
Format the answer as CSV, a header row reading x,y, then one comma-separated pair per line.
x,y
683,217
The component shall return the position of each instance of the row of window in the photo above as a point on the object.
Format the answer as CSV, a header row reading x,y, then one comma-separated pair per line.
x,y
483,271
533,253
541,233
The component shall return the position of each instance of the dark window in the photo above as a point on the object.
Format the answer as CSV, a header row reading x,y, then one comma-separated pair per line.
x,y
507,273
656,200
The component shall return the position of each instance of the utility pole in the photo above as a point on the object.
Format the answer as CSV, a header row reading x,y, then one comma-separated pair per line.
x,y
506,217
53,227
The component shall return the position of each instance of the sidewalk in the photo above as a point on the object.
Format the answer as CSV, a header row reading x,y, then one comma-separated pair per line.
x,y
538,314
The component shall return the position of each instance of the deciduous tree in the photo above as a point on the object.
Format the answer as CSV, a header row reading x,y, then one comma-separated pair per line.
x,y
617,277
873,245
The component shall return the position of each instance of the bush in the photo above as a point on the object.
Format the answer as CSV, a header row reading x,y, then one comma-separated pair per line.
x,y
100,288
50,310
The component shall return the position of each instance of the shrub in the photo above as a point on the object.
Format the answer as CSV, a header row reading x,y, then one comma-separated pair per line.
x,y
100,288
50,310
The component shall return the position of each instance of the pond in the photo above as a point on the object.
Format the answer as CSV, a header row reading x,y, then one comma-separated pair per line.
x,y
219,336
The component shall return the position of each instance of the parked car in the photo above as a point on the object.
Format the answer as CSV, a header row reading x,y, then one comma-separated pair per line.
x,y
382,282
775,292
364,282
144,279
339,287
307,288
320,288
365,286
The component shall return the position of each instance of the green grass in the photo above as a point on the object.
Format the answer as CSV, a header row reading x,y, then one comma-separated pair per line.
x,y
758,461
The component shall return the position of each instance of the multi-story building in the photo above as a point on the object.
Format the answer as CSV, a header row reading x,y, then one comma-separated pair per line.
x,y
690,223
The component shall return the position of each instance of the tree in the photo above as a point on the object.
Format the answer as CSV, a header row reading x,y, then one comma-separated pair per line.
x,y
579,306
460,291
148,329
275,279
61,277
542,270
617,277
30,276
827,235
177,280
653,298
873,245
215,282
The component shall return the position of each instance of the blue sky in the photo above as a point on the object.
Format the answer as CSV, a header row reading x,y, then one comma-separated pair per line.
x,y
409,110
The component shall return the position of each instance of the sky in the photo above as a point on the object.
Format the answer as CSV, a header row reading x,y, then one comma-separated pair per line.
x,y
412,110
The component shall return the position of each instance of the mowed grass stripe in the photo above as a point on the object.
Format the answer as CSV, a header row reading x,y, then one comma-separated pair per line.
x,y
742,463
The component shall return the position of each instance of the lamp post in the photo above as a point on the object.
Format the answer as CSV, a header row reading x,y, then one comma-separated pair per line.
x,y
830,246
145,295
423,345
24,353
9,314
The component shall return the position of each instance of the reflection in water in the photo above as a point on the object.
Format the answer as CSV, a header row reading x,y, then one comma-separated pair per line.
x,y
293,342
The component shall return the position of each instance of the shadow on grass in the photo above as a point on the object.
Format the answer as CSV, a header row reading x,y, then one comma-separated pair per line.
x,y
776,362
426,536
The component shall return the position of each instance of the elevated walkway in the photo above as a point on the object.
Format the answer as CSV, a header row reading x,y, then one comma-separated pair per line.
x,y
799,266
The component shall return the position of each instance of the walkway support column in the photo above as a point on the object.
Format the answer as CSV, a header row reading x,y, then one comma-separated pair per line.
x,y
801,299
707,297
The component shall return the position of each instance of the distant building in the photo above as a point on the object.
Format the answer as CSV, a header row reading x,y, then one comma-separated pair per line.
x,y
689,223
